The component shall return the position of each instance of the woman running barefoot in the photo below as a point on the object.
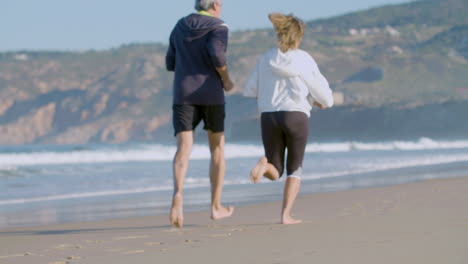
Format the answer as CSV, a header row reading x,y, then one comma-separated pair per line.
x,y
286,81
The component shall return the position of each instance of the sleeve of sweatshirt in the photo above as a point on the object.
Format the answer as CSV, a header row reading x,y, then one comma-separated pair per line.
x,y
317,84
251,86
217,46
171,55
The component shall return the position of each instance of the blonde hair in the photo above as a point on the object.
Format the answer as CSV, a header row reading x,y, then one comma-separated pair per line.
x,y
289,30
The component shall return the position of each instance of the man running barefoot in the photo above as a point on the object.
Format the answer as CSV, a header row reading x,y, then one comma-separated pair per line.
x,y
286,82
197,55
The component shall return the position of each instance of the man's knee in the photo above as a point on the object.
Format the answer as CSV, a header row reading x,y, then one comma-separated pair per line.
x,y
217,154
216,141
184,141
217,149
184,148
181,160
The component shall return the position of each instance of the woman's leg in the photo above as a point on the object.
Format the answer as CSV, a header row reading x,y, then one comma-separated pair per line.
x,y
291,189
263,168
297,130
271,166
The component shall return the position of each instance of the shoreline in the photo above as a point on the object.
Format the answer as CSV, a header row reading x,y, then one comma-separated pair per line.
x,y
421,222
94,209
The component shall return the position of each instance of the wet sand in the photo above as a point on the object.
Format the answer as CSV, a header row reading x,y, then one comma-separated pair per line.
x,y
424,222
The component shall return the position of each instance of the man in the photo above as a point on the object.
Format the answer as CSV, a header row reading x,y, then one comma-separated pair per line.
x,y
197,55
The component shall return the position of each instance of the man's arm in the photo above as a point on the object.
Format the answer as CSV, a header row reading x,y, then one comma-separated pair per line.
x,y
224,74
217,46
170,55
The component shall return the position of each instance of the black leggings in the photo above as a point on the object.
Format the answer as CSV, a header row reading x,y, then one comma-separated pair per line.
x,y
281,131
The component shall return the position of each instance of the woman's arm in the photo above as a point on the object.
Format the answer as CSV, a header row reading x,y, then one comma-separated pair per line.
x,y
251,87
318,85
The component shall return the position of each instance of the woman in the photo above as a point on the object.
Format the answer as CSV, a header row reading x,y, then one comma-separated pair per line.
x,y
286,81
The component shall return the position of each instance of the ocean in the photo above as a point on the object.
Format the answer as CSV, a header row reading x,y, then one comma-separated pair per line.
x,y
42,185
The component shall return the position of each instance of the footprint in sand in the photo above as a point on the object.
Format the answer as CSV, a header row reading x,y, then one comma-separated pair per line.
x,y
154,243
14,256
178,231
129,237
191,241
63,246
221,235
68,246
133,252
277,228
113,250
94,241
240,229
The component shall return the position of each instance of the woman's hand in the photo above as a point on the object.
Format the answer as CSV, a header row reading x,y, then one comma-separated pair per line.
x,y
319,105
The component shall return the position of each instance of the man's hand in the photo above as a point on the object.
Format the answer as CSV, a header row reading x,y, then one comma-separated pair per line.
x,y
224,74
319,105
228,85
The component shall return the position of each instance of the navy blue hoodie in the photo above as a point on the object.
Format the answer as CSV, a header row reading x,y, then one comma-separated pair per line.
x,y
197,46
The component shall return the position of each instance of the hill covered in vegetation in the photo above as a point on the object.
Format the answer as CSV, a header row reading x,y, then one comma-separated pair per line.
x,y
393,57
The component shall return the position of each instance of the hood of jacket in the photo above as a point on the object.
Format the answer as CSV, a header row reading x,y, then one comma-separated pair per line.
x,y
196,26
284,65
287,65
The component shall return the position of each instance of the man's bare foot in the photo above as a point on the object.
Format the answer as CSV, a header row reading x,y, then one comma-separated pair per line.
x,y
259,170
177,217
221,213
288,220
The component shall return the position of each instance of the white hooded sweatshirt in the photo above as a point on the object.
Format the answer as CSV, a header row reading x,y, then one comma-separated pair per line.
x,y
284,81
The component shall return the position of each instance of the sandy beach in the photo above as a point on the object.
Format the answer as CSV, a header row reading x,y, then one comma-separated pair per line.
x,y
424,222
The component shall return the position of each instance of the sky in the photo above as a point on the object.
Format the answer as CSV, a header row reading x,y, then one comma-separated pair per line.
x,y
77,25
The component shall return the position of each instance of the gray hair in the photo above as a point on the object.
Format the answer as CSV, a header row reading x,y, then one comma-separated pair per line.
x,y
205,5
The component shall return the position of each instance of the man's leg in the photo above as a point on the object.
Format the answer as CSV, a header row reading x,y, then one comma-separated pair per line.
x,y
180,166
217,169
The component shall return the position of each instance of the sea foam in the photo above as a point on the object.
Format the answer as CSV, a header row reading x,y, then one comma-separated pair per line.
x,y
145,153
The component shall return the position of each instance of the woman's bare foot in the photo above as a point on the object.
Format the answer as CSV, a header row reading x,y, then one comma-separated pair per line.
x,y
177,217
221,212
259,170
288,220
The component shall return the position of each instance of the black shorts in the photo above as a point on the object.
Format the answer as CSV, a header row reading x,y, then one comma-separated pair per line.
x,y
281,131
187,117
